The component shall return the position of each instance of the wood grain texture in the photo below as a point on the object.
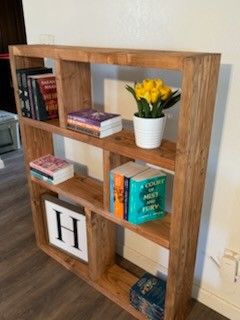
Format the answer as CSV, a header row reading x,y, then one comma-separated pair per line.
x,y
197,106
73,87
101,244
18,63
122,143
29,278
88,192
172,60
188,159
36,143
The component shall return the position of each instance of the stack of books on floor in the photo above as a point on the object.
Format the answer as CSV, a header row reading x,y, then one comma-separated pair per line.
x,y
94,123
148,296
37,93
137,193
51,169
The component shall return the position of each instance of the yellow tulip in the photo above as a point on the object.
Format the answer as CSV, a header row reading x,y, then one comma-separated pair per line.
x,y
165,92
139,90
148,84
154,95
158,83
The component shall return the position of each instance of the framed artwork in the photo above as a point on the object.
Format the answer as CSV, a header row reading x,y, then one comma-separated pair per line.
x,y
66,227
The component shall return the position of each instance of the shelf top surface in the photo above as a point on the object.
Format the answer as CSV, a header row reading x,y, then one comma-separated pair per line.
x,y
122,143
129,57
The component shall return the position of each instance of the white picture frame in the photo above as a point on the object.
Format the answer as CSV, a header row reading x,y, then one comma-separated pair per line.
x,y
66,227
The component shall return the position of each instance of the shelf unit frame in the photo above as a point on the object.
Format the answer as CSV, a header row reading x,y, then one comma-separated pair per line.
x,y
187,159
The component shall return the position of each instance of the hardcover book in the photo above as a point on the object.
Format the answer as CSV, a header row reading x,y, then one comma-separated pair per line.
x,y
94,133
52,166
22,75
119,187
147,196
94,117
44,96
148,296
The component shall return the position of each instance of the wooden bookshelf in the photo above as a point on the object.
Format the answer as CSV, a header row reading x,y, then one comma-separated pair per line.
x,y
186,159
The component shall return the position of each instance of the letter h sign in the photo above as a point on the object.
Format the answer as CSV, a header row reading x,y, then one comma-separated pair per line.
x,y
66,227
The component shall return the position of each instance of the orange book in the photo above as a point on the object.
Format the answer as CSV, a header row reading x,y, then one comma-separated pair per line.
x,y
119,196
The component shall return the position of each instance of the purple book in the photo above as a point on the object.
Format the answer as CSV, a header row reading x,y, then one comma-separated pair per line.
x,y
94,117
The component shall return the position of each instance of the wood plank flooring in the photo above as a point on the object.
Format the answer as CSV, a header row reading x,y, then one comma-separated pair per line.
x,y
32,285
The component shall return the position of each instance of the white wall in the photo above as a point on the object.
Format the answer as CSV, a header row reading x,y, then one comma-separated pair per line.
x,y
178,25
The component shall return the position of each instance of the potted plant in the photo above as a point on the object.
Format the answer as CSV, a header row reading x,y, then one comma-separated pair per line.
x,y
152,97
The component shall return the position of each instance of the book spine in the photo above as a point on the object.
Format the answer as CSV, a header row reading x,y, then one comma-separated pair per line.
x,y
25,95
31,100
84,130
118,196
35,98
20,91
41,177
97,123
126,196
41,173
48,97
131,202
111,193
39,168
83,125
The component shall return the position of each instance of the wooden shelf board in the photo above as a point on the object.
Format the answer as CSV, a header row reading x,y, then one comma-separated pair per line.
x,y
122,143
88,192
115,283
172,60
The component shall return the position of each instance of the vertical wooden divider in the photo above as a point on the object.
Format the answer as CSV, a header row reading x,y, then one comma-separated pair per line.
x,y
39,143
200,77
74,87
101,244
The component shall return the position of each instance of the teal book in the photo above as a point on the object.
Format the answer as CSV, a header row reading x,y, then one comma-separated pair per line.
x,y
147,196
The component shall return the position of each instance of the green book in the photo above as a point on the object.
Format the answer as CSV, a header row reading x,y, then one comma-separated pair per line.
x,y
147,196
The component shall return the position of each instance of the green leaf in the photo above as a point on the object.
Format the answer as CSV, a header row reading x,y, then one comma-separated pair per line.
x,y
171,100
146,108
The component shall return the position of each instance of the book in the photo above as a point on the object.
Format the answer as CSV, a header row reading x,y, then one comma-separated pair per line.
x,y
91,127
94,117
44,96
52,166
147,196
97,134
147,295
43,177
119,187
22,75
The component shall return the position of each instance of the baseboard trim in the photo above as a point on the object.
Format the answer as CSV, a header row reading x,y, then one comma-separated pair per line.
x,y
199,293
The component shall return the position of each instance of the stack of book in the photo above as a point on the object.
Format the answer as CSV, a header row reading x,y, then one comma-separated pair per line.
x,y
94,123
148,296
38,93
137,193
51,169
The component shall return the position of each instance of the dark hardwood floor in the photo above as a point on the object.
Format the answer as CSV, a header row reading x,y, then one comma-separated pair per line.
x,y
32,285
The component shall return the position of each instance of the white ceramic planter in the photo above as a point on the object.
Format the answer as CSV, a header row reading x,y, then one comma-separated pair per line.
x,y
148,131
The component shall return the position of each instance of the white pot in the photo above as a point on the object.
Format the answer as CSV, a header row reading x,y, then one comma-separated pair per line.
x,y
148,131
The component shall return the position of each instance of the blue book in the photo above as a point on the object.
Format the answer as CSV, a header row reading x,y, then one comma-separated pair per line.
x,y
126,171
148,296
147,196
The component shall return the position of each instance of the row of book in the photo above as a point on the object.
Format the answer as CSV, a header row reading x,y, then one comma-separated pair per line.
x,y
137,193
94,123
37,93
147,295
51,169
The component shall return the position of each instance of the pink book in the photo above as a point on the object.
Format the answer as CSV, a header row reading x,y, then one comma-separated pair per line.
x,y
50,165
